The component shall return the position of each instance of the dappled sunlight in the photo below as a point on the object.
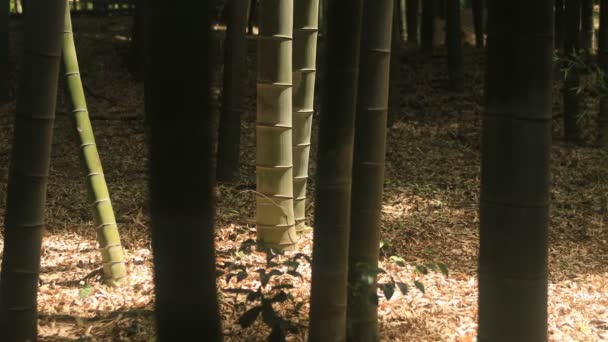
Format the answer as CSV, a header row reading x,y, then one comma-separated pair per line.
x,y
429,214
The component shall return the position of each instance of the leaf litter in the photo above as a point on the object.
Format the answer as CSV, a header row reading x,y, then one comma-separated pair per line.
x,y
429,213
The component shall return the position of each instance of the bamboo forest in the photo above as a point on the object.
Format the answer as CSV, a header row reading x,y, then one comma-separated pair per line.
x,y
304,170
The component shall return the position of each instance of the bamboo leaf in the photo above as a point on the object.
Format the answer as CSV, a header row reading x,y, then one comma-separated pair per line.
x,y
419,286
443,268
85,290
280,297
249,317
388,290
241,276
403,288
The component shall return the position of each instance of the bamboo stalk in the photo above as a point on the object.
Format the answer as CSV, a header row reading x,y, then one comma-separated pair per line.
x,y
105,222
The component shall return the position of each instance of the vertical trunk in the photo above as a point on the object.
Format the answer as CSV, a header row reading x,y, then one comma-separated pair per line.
x,y
572,80
181,181
440,9
427,29
30,160
477,8
306,24
395,74
107,230
412,20
559,24
4,50
514,199
402,16
454,45
274,155
137,49
334,173
587,25
368,168
603,61
235,72
252,19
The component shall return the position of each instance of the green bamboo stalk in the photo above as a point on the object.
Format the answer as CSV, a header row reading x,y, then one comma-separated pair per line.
x,y
515,177
107,231
368,166
306,27
274,156
29,169
334,173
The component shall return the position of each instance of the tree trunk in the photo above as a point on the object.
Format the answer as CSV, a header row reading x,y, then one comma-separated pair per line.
x,y
28,173
412,20
253,16
427,29
235,74
103,213
394,105
402,18
572,80
587,25
514,199
181,181
306,27
477,8
4,50
559,24
137,49
603,61
454,45
334,173
368,168
274,155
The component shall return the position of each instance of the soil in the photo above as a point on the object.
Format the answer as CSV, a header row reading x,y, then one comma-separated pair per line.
x,y
429,214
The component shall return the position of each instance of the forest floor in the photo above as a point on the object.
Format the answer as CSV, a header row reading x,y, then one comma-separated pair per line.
x,y
429,213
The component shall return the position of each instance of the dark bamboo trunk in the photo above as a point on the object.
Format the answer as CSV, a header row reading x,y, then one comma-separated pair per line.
x,y
29,169
334,173
454,45
477,8
587,25
181,181
395,72
412,20
137,49
368,168
572,79
603,61
4,50
235,74
514,199
427,29
559,24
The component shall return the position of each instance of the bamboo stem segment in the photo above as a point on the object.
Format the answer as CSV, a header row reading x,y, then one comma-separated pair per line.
x,y
105,222
274,155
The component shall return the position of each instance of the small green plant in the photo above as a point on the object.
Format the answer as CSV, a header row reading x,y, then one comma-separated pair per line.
x,y
366,275
268,292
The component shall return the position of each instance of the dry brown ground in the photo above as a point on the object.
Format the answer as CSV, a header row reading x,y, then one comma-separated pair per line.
x,y
430,212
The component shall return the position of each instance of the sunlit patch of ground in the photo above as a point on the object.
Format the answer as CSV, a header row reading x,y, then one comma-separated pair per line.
x,y
429,213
